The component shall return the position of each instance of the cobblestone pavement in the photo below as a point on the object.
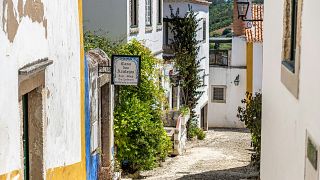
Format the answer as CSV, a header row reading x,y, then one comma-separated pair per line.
x,y
223,155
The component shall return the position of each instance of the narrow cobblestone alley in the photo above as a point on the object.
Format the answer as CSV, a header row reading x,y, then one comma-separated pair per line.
x,y
223,155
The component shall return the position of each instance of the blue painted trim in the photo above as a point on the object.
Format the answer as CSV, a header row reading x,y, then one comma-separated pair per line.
x,y
92,161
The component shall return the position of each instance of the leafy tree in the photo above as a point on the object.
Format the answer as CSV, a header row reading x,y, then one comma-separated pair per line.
x,y
185,46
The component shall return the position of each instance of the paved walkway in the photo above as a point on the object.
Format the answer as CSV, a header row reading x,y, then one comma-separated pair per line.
x,y
223,155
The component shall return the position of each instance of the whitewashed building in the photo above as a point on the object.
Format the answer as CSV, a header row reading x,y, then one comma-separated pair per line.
x,y
201,7
124,20
41,102
291,99
235,72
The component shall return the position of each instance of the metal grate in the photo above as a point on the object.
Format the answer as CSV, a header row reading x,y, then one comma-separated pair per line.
x,y
218,94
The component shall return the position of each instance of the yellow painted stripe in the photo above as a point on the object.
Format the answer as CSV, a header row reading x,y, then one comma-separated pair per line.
x,y
16,175
249,54
82,113
74,171
78,170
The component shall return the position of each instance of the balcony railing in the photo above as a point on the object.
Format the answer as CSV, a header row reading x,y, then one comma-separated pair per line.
x,y
219,57
167,49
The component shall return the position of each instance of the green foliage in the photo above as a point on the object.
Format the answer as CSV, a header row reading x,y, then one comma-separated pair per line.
x,y
226,31
192,131
139,134
195,131
250,114
201,134
184,110
92,41
221,14
140,138
215,34
185,46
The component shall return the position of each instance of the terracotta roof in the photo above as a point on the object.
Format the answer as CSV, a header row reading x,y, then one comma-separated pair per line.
x,y
255,33
202,2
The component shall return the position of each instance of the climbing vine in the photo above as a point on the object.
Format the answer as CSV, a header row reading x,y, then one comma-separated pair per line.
x,y
185,46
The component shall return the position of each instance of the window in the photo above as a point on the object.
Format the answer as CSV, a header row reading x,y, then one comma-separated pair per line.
x,y
289,59
311,158
166,33
219,94
291,45
204,30
134,13
159,11
148,12
218,57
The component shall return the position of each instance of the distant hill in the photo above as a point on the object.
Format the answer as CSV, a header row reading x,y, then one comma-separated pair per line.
x,y
221,14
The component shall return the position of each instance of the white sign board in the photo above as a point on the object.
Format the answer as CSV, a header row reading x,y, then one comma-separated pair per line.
x,y
125,70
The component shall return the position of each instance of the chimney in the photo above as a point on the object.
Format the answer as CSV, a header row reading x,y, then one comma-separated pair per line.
x,y
238,24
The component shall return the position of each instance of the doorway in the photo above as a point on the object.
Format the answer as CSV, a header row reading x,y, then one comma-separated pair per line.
x,y
32,134
204,118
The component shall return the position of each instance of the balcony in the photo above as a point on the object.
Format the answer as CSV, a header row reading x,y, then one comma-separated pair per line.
x,y
219,57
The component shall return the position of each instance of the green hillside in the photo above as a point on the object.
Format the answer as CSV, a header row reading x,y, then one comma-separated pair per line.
x,y
221,13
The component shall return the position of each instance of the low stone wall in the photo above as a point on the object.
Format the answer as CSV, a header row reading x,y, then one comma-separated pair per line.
x,y
176,126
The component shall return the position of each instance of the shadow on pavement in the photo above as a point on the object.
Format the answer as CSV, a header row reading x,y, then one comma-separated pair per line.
x,y
239,173
240,130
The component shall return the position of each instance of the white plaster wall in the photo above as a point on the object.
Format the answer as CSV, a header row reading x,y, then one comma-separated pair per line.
x,y
62,45
112,17
152,40
9,110
63,83
286,119
107,17
225,114
239,46
257,67
203,12
24,49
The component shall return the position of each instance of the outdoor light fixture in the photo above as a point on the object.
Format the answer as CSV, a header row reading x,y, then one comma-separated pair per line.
x,y
243,7
237,80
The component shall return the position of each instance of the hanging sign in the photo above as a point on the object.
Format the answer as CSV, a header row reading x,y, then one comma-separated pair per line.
x,y
126,70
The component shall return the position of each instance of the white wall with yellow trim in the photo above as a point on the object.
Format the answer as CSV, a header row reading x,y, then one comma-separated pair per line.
x,y
31,31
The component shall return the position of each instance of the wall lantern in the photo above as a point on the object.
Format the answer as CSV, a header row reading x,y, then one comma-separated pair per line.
x,y
237,80
243,7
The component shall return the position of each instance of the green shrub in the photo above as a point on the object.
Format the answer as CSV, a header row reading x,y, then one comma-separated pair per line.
x,y
140,139
192,131
92,41
195,131
201,134
250,114
139,134
184,110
